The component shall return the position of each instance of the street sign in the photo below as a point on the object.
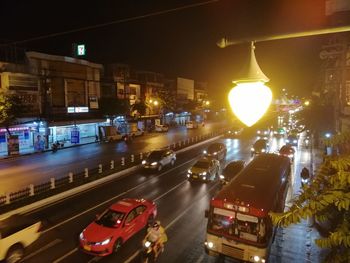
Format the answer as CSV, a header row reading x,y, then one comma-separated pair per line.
x,y
74,135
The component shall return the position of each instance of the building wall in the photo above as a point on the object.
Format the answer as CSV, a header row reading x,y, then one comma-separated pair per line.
x,y
185,88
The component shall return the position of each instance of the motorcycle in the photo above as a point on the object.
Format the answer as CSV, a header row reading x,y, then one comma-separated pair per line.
x,y
305,181
148,253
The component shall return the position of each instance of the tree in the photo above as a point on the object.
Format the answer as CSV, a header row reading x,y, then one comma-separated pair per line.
x,y
111,107
327,200
167,99
11,108
140,107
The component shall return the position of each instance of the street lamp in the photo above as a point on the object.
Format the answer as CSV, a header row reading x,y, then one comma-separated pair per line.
x,y
250,98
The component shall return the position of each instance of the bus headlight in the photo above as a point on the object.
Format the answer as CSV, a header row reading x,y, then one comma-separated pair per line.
x,y
263,150
256,258
252,149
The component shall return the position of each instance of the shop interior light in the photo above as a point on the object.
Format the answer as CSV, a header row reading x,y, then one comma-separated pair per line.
x,y
250,98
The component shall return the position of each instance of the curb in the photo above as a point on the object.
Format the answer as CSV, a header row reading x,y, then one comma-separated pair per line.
x,y
69,193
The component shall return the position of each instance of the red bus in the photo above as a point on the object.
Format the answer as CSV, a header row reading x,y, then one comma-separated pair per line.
x,y
238,222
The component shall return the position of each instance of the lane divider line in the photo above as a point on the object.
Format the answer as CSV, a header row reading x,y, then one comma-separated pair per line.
x,y
51,244
65,255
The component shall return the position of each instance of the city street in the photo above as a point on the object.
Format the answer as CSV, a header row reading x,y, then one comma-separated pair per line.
x,y
18,173
184,219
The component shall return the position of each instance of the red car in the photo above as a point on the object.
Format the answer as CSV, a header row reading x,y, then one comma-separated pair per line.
x,y
116,225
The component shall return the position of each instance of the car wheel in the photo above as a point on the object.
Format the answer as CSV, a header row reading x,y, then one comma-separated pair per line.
x,y
15,254
172,162
117,245
160,167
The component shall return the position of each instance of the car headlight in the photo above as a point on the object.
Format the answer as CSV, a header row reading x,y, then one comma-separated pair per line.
x,y
263,150
229,131
144,162
256,258
295,141
287,140
147,243
154,163
258,132
104,242
189,171
204,173
252,149
222,177
210,244
215,153
205,152
81,236
188,175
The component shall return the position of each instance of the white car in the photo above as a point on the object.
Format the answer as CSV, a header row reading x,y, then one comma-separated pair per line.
x,y
16,233
157,159
205,169
161,128
191,125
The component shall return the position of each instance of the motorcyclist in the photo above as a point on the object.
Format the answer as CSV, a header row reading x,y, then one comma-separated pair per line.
x,y
156,234
305,175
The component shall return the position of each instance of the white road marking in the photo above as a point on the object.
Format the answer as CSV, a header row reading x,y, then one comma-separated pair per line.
x,y
111,199
51,244
69,219
200,259
173,222
66,255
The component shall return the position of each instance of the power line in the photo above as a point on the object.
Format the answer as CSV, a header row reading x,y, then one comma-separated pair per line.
x,y
124,20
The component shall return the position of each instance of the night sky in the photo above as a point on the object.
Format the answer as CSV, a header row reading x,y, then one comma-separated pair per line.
x,y
180,41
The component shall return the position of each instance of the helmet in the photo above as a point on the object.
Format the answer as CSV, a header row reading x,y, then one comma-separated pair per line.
x,y
156,224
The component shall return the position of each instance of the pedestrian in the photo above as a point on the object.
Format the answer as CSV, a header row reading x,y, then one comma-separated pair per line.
x,y
96,138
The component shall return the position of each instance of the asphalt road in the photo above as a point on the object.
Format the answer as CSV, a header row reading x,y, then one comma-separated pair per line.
x,y
181,207
18,173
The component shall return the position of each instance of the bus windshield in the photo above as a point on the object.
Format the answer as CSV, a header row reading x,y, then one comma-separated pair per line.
x,y
242,226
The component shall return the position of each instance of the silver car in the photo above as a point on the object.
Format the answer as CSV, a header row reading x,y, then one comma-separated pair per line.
x,y
158,159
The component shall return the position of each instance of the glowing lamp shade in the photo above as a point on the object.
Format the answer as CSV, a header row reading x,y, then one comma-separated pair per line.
x,y
249,101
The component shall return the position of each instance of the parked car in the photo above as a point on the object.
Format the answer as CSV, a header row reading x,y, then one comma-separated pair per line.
x,y
231,170
136,133
191,125
111,229
158,159
16,233
260,146
205,169
161,128
216,150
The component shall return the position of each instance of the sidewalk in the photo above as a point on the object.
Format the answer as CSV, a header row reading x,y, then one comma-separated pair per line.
x,y
67,144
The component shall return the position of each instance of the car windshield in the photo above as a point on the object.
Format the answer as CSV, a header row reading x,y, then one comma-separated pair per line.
x,y
245,227
110,218
260,144
155,155
232,169
202,164
214,148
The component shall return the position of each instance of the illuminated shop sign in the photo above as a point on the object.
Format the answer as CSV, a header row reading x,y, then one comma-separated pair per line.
x,y
77,109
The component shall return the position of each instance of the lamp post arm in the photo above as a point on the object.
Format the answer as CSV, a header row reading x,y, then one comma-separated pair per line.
x,y
225,42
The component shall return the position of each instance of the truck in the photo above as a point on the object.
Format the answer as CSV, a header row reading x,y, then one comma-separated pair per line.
x,y
135,129
111,133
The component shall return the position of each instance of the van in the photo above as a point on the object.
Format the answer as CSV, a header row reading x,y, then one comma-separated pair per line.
x,y
191,125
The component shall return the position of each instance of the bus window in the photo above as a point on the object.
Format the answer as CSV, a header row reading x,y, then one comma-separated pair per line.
x,y
220,223
247,227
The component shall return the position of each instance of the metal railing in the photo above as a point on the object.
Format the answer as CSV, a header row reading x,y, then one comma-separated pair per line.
x,y
33,193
